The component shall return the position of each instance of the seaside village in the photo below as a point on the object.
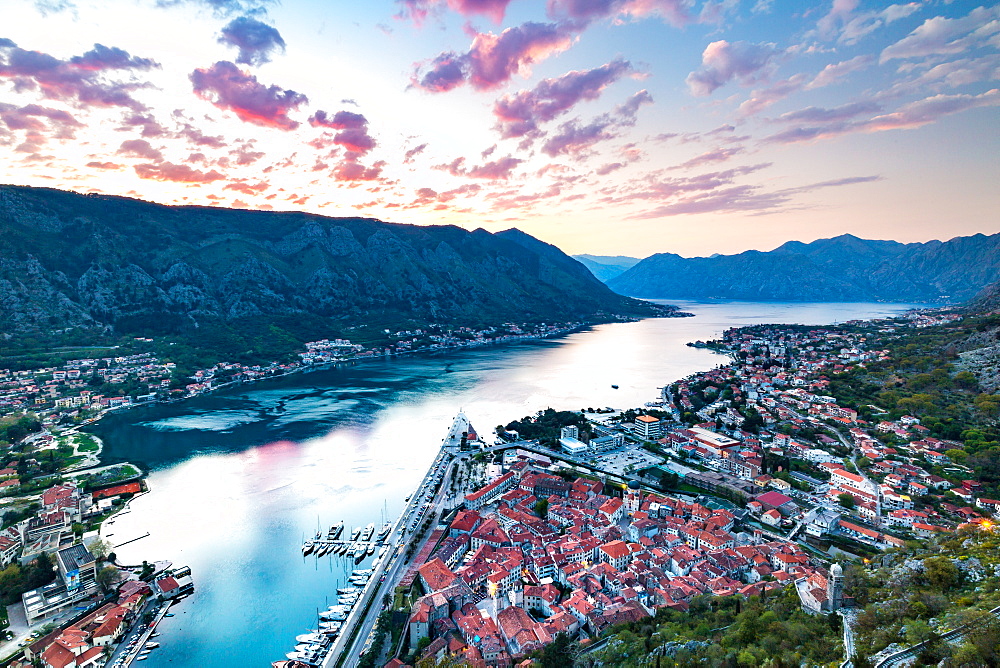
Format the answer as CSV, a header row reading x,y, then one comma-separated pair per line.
x,y
575,536
88,604
89,386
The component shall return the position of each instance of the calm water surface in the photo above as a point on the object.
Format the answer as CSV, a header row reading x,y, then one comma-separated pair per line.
x,y
240,477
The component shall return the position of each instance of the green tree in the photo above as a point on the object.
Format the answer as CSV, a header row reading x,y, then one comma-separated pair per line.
x,y
847,501
941,573
542,508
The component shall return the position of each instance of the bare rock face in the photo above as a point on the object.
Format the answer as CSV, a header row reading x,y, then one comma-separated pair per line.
x,y
69,260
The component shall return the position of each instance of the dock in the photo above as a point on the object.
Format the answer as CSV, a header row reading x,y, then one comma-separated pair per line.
x,y
390,564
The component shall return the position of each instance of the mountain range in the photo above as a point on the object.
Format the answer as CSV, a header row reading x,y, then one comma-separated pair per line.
x,y
76,261
606,267
844,268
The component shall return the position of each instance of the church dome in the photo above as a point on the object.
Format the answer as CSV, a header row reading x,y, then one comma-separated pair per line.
x,y
836,571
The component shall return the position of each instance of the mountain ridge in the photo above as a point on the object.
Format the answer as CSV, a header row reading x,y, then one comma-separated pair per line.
x,y
842,268
95,261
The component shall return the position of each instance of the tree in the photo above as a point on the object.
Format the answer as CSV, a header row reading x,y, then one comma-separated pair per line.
x,y
106,577
542,508
847,501
941,573
559,653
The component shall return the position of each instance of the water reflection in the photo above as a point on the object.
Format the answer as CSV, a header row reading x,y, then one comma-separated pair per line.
x,y
240,477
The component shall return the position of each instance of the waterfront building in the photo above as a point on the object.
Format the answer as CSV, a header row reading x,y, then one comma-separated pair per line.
x,y
76,581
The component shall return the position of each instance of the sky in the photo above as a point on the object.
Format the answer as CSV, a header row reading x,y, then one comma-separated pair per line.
x,y
608,127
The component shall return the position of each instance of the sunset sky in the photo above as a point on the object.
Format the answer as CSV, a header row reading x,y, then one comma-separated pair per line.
x,y
602,126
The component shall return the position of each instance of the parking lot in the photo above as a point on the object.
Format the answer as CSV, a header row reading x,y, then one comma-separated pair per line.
x,y
625,460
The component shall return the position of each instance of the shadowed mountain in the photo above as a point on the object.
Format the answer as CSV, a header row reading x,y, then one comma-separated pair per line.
x,y
70,260
606,267
843,268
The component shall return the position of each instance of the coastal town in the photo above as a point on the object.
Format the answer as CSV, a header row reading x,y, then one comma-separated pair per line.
x,y
745,479
737,481
81,389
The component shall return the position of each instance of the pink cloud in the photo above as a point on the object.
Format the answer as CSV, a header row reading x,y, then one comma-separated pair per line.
x,y
229,88
419,10
492,60
80,80
722,62
520,114
140,148
39,120
496,170
350,170
353,135
168,171
413,153
675,12
575,139
104,165
721,154
827,123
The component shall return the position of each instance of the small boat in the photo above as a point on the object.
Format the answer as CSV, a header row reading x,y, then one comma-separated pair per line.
x,y
386,528
335,531
358,573
307,547
614,387
371,549
369,531
359,550
348,590
152,645
169,614
355,533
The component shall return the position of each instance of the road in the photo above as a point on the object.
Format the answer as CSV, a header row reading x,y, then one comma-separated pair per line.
x,y
359,624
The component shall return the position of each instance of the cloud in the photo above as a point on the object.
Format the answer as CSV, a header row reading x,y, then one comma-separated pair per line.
x,y
520,114
675,12
61,124
607,168
229,88
940,35
419,10
81,80
140,148
849,27
720,154
834,72
350,170
575,139
760,100
255,40
353,128
722,62
496,170
225,8
928,110
168,171
735,198
413,153
827,123
104,165
493,59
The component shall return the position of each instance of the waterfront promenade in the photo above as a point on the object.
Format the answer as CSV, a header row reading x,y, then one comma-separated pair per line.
x,y
424,503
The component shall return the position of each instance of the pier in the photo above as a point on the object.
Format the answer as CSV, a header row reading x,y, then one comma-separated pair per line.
x,y
390,564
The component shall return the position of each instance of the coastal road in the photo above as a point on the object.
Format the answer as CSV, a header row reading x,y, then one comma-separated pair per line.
x,y
399,565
